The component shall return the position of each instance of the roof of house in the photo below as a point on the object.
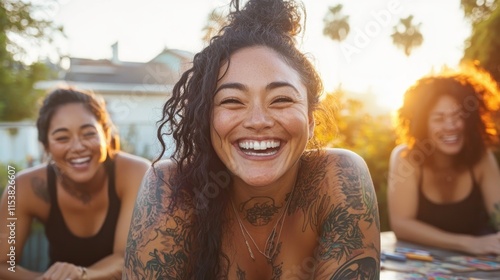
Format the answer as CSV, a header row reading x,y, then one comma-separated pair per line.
x,y
164,69
112,75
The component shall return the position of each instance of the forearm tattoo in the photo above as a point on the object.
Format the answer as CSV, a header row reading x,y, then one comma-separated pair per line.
x,y
365,268
341,237
149,224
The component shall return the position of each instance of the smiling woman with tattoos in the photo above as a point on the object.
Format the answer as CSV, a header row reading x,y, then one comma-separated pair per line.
x,y
241,198
84,195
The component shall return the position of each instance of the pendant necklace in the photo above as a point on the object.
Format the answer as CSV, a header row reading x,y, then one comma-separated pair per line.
x,y
273,238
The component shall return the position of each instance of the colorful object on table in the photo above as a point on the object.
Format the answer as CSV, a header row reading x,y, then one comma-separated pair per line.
x,y
418,257
474,262
393,256
404,250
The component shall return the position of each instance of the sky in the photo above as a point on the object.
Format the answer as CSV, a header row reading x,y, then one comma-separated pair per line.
x,y
366,61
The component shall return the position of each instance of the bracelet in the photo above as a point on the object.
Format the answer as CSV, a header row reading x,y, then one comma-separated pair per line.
x,y
84,275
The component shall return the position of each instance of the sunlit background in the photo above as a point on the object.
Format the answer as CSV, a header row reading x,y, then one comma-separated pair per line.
x,y
365,73
365,62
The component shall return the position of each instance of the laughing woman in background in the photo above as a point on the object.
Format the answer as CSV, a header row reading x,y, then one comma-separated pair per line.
x,y
84,195
444,182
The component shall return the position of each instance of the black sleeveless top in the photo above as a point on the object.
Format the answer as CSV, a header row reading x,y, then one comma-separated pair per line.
x,y
468,216
66,247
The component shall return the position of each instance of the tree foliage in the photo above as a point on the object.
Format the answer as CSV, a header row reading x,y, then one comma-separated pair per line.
x,y
407,35
484,44
478,10
18,24
336,24
215,21
343,122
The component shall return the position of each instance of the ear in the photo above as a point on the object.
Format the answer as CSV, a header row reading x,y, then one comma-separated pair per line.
x,y
312,124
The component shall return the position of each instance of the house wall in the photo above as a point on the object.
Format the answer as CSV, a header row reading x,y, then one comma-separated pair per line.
x,y
19,144
135,118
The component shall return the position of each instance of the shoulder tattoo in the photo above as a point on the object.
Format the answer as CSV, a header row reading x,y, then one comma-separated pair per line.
x,y
39,187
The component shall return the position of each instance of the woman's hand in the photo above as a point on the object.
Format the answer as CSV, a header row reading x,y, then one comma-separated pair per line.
x,y
483,245
64,271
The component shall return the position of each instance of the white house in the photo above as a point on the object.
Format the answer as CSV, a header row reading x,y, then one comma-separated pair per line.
x,y
134,92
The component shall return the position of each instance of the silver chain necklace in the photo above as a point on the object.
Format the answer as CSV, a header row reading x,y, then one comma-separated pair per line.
x,y
271,244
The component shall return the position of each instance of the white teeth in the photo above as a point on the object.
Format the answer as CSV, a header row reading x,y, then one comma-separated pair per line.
x,y
80,160
450,138
259,145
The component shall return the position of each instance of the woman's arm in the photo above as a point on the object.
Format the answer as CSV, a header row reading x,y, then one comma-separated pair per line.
x,y
403,204
15,227
131,170
490,187
155,246
349,234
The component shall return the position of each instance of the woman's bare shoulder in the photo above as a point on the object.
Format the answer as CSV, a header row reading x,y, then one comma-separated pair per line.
x,y
31,186
32,178
339,182
159,174
399,152
334,167
342,158
131,161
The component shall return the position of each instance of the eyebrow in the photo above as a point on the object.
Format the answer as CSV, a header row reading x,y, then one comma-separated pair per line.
x,y
242,87
63,129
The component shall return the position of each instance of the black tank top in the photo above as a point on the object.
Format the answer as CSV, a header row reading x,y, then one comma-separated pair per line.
x,y
66,247
467,216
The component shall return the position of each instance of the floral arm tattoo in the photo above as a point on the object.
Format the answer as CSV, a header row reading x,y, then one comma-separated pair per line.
x,y
342,237
155,247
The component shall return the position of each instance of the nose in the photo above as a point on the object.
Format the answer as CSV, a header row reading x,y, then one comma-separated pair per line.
x,y
257,118
450,122
77,144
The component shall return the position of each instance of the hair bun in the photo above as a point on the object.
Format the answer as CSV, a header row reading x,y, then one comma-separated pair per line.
x,y
272,15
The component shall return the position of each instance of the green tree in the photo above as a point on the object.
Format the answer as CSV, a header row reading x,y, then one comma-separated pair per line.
x,y
484,44
477,11
407,36
336,24
17,20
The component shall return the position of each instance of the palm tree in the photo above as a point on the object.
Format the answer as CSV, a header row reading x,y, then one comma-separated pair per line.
x,y
478,11
215,22
336,24
406,35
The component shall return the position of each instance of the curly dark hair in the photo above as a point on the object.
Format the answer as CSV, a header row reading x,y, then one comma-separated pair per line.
x,y
476,94
187,114
93,103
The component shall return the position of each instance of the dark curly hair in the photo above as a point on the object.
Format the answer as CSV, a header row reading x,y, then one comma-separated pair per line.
x,y
476,94
187,114
93,103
